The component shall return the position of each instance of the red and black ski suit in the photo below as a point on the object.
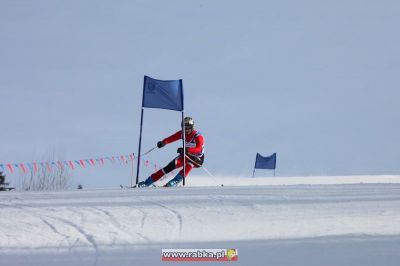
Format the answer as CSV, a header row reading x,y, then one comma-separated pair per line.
x,y
194,143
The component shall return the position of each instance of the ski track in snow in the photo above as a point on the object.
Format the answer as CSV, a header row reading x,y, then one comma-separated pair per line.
x,y
123,228
178,216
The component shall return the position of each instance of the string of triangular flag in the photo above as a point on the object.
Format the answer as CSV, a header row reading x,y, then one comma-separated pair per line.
x,y
50,166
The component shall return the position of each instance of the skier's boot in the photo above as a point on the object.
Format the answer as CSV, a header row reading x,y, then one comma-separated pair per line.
x,y
146,183
174,181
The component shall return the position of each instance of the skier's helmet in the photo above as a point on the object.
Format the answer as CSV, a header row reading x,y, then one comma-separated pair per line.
x,y
189,123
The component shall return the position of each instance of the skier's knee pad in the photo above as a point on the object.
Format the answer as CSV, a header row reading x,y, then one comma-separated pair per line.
x,y
169,167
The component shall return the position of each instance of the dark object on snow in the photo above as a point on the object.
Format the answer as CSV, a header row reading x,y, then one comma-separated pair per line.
x,y
3,184
79,186
2,178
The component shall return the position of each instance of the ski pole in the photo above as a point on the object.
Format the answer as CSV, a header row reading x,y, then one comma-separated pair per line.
x,y
205,170
148,151
198,165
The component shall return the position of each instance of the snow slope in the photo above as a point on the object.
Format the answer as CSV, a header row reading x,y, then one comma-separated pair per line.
x,y
302,224
293,180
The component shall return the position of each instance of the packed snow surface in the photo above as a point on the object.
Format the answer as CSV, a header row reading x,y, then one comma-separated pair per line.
x,y
259,216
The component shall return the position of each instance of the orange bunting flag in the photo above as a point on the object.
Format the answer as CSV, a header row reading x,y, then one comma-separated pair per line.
x,y
10,168
23,168
48,167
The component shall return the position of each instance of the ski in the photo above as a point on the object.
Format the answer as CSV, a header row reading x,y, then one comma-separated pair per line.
x,y
130,187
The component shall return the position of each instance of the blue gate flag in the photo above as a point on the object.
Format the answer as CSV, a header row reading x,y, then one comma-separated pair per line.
x,y
163,94
265,162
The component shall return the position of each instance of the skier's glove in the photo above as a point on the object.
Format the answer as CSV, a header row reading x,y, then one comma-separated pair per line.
x,y
160,144
180,151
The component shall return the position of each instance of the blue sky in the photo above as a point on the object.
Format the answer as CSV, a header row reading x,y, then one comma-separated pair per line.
x,y
315,81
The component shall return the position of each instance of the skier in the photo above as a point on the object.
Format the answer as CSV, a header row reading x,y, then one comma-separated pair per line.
x,y
194,142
